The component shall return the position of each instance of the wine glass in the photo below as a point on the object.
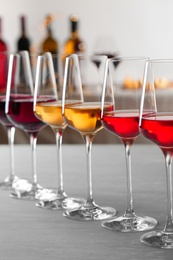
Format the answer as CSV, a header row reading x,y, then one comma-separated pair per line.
x,y
81,111
48,88
122,120
19,111
156,124
11,178
105,45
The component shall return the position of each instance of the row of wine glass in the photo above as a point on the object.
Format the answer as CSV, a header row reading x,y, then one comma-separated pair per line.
x,y
84,95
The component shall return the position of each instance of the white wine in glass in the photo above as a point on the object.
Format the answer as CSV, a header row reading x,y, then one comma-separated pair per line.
x,y
81,110
48,109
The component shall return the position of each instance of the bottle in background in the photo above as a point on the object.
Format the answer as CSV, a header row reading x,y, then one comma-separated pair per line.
x,y
3,61
74,44
23,43
49,43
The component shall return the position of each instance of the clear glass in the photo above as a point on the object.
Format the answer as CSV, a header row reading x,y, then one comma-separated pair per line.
x,y
10,180
105,45
156,124
19,111
81,111
122,92
49,80
4,59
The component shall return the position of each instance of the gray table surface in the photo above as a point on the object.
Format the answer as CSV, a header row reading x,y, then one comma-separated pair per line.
x,y
28,232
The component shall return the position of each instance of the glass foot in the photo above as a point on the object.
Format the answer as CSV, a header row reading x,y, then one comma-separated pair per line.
x,y
23,189
90,212
158,239
8,182
130,224
54,200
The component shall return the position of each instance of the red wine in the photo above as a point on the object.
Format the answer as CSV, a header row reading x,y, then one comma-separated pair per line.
x,y
3,118
21,114
109,55
159,129
122,123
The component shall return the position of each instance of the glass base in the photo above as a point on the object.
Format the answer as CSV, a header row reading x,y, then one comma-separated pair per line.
x,y
54,200
8,182
23,189
130,224
158,239
90,212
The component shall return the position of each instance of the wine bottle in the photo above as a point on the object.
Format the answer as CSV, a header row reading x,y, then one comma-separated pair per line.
x,y
3,61
74,44
49,44
23,43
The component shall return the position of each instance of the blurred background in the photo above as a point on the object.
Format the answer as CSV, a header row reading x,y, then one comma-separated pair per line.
x,y
129,27
137,27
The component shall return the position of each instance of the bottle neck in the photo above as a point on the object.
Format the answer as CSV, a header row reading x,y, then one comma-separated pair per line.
x,y
74,29
49,32
74,26
23,29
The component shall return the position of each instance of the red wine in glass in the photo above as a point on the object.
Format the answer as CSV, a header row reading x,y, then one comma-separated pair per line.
x,y
7,183
122,123
159,129
21,114
3,118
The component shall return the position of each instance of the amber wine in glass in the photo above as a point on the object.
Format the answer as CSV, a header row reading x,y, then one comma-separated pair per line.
x,y
48,88
81,110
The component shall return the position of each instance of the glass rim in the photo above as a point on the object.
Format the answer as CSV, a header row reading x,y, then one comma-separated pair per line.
x,y
161,60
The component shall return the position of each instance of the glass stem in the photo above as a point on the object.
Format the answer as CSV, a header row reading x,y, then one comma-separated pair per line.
x,y
88,141
33,142
169,222
11,134
129,208
58,135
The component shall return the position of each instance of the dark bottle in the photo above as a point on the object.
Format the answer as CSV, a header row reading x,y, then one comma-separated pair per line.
x,y
23,43
3,61
74,44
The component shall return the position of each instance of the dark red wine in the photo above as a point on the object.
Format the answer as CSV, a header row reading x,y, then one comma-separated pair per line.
x,y
21,113
159,129
3,118
122,123
109,55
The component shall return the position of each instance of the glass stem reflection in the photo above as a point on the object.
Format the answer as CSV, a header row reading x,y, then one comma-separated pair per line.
x,y
58,135
11,134
88,142
129,209
169,223
33,142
